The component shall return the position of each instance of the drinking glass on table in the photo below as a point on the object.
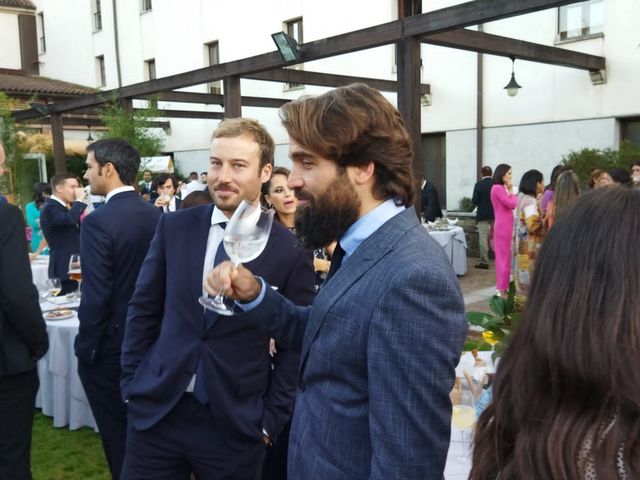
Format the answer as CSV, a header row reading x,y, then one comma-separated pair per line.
x,y
244,239
75,272
52,287
463,416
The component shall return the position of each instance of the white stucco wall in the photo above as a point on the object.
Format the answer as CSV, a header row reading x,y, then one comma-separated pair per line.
x,y
9,41
524,147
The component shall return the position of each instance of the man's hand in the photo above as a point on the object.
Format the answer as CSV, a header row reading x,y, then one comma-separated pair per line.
x,y
80,194
236,283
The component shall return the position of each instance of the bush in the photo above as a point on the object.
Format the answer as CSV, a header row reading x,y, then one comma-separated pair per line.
x,y
466,204
585,161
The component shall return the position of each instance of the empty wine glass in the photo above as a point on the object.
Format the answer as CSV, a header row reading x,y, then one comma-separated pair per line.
x,y
75,272
244,239
463,416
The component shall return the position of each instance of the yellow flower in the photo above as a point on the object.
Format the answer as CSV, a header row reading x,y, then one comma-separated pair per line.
x,y
490,337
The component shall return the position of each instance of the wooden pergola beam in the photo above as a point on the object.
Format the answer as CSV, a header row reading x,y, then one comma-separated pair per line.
x,y
457,16
288,75
214,99
73,121
188,114
503,46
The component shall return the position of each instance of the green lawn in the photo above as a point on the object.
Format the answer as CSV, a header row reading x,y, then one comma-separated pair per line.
x,y
62,454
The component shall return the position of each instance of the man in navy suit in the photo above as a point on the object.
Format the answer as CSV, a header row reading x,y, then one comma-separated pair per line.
x,y
380,344
201,394
60,222
113,243
23,341
166,186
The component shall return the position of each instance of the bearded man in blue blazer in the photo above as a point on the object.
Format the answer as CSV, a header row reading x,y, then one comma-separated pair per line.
x,y
380,344
202,394
113,243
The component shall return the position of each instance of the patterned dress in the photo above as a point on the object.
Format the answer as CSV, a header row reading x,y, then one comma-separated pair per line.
x,y
529,234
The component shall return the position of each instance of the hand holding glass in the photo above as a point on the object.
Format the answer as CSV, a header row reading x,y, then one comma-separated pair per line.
x,y
245,237
463,416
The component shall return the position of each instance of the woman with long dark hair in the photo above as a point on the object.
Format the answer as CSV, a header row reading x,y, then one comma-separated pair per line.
x,y
503,201
566,396
567,193
529,229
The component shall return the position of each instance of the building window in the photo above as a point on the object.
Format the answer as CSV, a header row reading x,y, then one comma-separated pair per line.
x,y
150,69
630,131
581,19
212,53
293,28
42,44
97,15
145,6
100,72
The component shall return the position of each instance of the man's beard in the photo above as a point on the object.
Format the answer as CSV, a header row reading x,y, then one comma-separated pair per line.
x,y
328,216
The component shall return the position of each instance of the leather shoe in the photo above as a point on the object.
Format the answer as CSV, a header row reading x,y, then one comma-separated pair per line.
x,y
482,265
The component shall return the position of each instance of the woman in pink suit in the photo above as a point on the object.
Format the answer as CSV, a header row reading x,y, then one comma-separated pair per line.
x,y
504,202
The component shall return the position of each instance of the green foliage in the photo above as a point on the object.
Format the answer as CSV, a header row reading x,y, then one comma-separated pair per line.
x,y
17,180
497,328
134,127
466,204
61,454
585,161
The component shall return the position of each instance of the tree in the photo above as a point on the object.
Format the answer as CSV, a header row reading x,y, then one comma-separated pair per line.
x,y
585,161
134,127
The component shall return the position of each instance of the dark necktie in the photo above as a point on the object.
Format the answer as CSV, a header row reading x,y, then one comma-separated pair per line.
x,y
336,261
199,389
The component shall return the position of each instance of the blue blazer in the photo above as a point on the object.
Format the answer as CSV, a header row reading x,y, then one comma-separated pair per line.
x,y
378,348
113,244
166,334
61,228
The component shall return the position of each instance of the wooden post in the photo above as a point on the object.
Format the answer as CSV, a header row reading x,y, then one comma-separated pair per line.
x,y
57,133
408,68
232,97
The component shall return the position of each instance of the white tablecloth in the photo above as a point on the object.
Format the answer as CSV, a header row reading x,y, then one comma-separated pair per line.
x,y
40,269
455,246
61,395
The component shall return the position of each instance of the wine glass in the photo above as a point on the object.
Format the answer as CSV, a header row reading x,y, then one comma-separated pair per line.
x,y
75,272
52,287
463,416
244,239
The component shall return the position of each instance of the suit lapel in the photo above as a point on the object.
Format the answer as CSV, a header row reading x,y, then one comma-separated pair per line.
x,y
363,259
196,245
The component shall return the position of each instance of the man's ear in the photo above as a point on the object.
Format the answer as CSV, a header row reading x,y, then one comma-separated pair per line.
x,y
362,174
265,174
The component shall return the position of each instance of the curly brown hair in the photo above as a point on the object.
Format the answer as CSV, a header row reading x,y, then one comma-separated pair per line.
x,y
355,125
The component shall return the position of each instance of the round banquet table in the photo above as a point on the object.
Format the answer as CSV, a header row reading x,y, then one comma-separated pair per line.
x,y
454,244
61,395
40,269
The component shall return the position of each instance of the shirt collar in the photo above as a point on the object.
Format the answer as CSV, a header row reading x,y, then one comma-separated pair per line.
x,y
364,227
118,190
218,217
61,202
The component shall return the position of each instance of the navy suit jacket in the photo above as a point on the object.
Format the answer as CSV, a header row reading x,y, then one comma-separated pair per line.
x,y
378,348
166,334
61,228
23,333
430,202
113,244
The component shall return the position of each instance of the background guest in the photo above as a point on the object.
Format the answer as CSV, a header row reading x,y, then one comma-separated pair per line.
x,y
635,172
23,341
60,222
165,184
566,194
600,178
41,191
504,202
203,178
146,184
194,185
430,201
484,215
277,195
550,189
566,395
529,229
196,199
620,176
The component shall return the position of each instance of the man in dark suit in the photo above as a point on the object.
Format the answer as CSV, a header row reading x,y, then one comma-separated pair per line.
x,y
166,186
113,243
200,391
430,201
380,344
60,222
484,214
23,340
